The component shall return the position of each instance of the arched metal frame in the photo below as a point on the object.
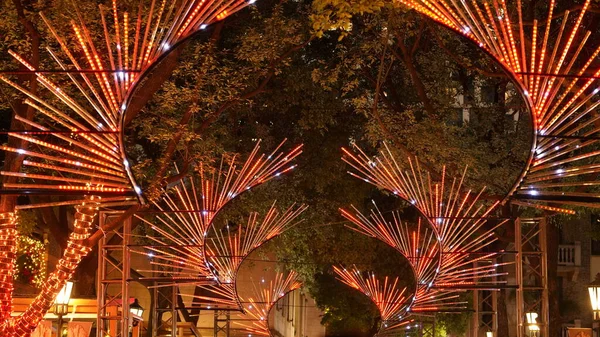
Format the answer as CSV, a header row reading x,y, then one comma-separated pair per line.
x,y
148,71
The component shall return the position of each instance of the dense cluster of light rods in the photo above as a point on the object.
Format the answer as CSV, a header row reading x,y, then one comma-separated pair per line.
x,y
190,247
442,248
74,145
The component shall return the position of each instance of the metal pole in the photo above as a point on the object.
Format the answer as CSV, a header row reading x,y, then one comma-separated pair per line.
x,y
125,280
60,324
519,276
174,311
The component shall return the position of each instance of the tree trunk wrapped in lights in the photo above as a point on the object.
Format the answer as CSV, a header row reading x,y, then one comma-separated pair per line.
x,y
79,136
8,243
76,250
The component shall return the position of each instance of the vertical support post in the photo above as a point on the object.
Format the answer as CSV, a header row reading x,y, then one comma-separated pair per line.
x,y
174,315
156,313
126,316
113,278
519,277
221,323
476,316
545,314
100,291
532,274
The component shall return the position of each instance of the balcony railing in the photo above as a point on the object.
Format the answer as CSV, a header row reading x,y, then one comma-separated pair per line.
x,y
569,255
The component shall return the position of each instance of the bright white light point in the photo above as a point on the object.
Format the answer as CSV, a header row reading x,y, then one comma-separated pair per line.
x,y
278,174
126,163
20,151
413,202
166,45
77,163
556,147
123,107
596,90
526,93
251,1
559,171
466,30
137,189
150,255
203,26
119,47
533,192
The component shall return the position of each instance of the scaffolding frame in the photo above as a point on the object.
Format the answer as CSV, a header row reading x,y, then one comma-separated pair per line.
x,y
485,307
222,325
532,274
113,274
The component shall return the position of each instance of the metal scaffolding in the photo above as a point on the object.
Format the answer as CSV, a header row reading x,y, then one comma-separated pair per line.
x,y
485,307
222,323
532,275
113,279
116,273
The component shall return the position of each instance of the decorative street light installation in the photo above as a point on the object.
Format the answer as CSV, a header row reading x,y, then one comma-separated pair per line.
x,y
137,311
594,292
61,304
444,261
188,242
532,324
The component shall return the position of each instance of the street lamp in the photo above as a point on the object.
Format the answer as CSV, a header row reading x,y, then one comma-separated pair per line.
x,y
534,328
137,311
61,304
594,290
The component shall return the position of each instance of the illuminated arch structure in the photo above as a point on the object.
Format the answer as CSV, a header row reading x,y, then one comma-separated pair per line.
x,y
74,143
188,248
559,85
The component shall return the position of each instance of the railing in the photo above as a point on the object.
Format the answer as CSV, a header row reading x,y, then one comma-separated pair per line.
x,y
569,255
